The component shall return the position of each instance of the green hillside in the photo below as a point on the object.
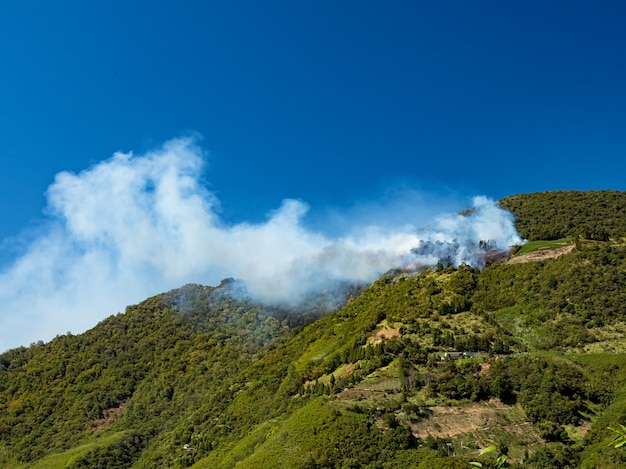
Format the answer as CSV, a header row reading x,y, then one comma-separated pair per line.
x,y
419,369
595,215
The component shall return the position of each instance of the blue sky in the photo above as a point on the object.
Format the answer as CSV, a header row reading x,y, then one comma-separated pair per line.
x,y
324,101
357,109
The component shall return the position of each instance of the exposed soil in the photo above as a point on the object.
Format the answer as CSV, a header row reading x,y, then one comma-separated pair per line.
x,y
110,416
386,334
540,255
452,421
348,370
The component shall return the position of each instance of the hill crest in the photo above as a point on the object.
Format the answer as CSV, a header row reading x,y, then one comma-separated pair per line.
x,y
534,349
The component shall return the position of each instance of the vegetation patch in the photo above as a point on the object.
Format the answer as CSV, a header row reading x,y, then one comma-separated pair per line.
x,y
475,425
545,245
421,369
597,215
73,456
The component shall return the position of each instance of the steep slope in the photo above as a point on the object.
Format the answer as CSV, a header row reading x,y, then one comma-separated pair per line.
x,y
136,373
596,215
419,369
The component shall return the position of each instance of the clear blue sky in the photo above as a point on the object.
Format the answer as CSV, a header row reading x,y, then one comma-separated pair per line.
x,y
323,101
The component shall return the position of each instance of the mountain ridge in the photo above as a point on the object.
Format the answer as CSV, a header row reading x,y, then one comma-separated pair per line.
x,y
247,385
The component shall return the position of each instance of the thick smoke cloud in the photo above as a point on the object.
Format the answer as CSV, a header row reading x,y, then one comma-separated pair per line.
x,y
133,226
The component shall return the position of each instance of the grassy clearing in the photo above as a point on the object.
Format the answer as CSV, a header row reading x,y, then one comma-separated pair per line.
x,y
547,245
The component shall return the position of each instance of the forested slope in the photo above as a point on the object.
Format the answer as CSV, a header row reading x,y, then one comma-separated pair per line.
x,y
595,215
420,369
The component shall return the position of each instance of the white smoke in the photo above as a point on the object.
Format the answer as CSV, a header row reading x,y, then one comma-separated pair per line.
x,y
467,239
134,226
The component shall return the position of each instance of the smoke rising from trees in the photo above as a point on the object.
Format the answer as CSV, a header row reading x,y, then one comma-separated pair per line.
x,y
133,226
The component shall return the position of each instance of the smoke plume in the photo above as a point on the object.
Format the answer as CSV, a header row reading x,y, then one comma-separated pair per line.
x,y
133,226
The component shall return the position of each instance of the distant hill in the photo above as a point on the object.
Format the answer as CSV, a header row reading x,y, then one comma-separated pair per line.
x,y
419,369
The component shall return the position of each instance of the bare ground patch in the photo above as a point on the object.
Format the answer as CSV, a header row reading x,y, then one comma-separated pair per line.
x,y
110,416
386,334
540,255
347,370
474,418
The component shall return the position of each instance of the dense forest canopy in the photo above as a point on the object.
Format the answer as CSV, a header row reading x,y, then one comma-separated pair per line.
x,y
595,215
419,369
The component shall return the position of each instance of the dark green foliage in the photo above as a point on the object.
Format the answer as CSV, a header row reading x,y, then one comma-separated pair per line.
x,y
553,457
118,455
251,386
549,390
57,389
406,298
460,381
564,296
596,215
153,362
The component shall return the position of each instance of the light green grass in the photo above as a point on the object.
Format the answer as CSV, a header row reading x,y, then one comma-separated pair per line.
x,y
547,245
525,322
61,460
283,444
230,455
